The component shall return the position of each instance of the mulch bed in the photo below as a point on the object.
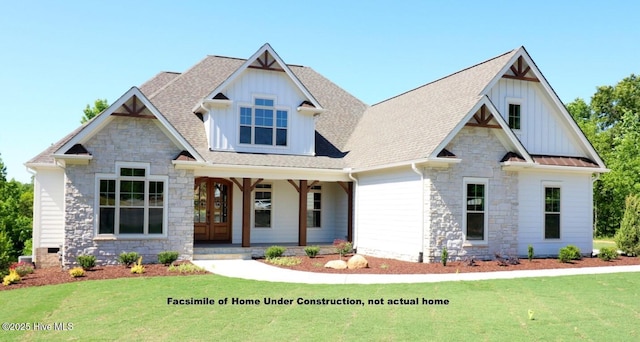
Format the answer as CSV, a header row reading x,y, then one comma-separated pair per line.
x,y
50,276
390,266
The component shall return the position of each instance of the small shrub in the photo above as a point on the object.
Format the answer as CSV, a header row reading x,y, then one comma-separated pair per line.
x,y
608,253
384,266
274,252
285,261
628,235
342,246
128,259
138,268
12,278
22,268
87,262
312,251
444,256
530,253
568,253
76,272
167,258
186,268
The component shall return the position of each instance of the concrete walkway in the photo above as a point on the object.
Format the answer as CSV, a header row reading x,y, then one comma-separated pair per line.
x,y
251,269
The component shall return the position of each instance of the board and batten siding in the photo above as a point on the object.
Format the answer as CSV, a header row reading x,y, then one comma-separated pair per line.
x,y
48,219
224,124
542,130
284,215
576,215
389,210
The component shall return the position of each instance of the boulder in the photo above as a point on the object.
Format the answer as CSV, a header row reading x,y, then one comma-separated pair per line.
x,y
357,261
336,264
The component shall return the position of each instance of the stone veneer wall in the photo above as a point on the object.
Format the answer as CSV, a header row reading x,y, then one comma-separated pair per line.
x,y
481,152
127,140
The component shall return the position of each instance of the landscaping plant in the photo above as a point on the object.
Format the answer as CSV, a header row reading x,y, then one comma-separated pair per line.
x,y
444,256
138,268
608,253
22,268
342,246
167,258
76,272
87,262
530,253
128,259
312,251
568,253
628,236
12,278
274,252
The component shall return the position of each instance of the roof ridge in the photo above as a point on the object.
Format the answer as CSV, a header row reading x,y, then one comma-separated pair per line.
x,y
444,77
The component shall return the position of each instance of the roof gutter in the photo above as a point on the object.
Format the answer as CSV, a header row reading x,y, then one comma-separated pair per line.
x,y
436,162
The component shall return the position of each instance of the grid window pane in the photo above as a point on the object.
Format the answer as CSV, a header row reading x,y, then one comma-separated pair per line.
x,y
264,102
281,120
514,116
552,226
264,117
131,172
264,136
155,220
156,194
552,213
131,220
475,226
245,116
281,137
131,193
107,221
107,192
245,134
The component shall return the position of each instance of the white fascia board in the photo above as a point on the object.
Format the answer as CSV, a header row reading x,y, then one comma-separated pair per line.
x,y
266,172
435,162
310,111
36,166
76,159
207,104
520,166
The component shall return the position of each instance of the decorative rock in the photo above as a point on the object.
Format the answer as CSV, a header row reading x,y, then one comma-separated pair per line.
x,y
336,264
357,261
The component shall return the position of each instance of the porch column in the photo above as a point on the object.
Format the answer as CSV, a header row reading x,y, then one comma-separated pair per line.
x,y
246,212
302,213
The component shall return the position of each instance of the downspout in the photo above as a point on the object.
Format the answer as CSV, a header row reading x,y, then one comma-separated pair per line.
x,y
355,207
415,169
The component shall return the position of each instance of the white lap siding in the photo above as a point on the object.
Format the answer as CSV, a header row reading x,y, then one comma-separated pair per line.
x,y
389,214
576,216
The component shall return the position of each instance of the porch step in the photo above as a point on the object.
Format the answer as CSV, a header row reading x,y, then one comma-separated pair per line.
x,y
222,256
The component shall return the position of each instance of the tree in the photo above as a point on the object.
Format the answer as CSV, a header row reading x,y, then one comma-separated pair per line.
x,y
612,123
98,106
628,236
16,212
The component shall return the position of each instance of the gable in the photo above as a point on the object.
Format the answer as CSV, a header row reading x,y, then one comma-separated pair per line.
x,y
547,126
132,105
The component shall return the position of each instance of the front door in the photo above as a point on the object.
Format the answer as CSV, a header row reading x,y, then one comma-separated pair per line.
x,y
212,210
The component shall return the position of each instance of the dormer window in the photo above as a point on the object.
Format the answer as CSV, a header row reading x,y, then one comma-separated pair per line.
x,y
263,124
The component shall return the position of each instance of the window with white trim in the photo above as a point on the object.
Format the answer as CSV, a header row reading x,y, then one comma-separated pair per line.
x,y
263,123
131,202
314,207
475,219
551,212
514,116
262,206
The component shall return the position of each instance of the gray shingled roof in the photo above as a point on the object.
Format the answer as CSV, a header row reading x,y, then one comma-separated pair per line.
x,y
406,127
411,125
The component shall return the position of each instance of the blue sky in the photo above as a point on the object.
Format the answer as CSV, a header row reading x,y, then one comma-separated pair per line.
x,y
57,57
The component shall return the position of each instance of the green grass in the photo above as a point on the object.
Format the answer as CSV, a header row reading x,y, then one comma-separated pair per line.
x,y
592,307
603,242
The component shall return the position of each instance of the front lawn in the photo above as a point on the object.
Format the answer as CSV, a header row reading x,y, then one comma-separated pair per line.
x,y
590,307
603,242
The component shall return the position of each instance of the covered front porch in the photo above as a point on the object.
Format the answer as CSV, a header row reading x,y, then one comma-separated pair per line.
x,y
255,213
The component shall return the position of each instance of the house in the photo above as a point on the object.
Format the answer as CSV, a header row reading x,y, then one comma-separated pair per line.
x,y
255,151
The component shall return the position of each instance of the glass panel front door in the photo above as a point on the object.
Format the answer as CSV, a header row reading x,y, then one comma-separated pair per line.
x,y
212,208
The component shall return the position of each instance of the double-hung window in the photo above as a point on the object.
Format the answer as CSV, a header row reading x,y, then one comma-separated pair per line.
x,y
263,124
475,209
314,207
551,212
131,202
262,206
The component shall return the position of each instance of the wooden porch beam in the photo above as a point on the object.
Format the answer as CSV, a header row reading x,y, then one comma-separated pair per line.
x,y
246,212
302,213
294,184
344,186
236,182
256,183
522,78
